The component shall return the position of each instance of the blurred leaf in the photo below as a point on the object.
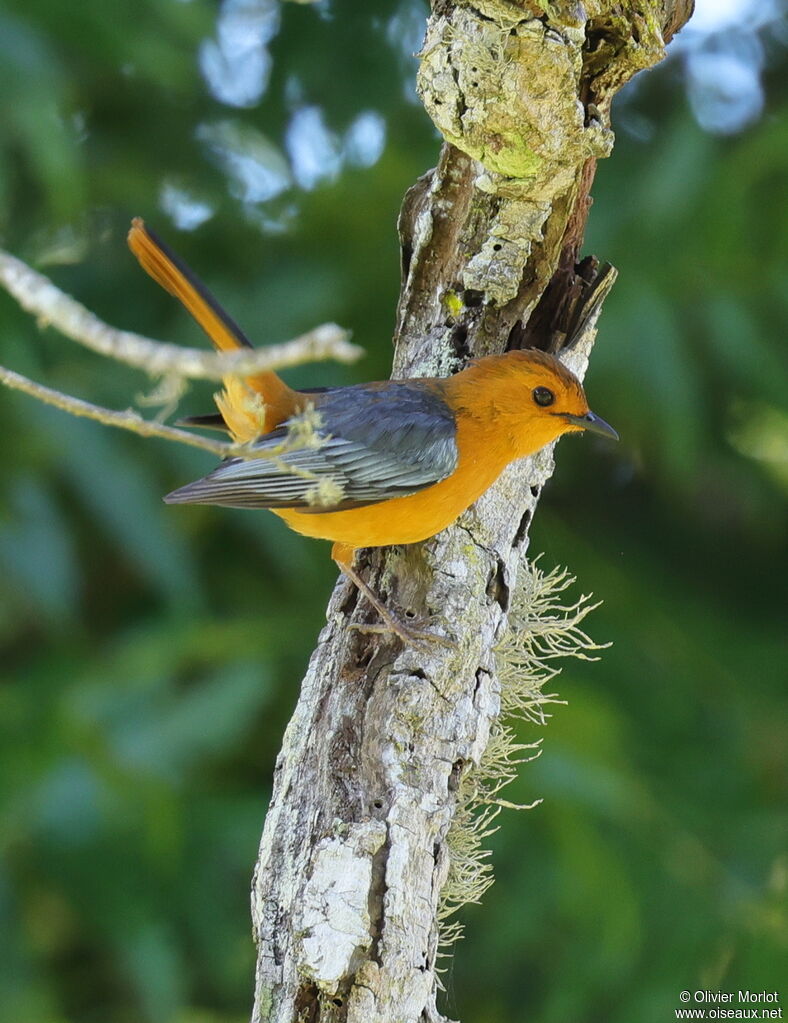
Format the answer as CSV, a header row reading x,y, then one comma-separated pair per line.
x,y
116,488
170,738
36,551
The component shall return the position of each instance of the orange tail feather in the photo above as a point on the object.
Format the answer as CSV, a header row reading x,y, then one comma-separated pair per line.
x,y
175,276
250,407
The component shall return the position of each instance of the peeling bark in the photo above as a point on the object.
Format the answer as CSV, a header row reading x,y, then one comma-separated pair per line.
x,y
353,854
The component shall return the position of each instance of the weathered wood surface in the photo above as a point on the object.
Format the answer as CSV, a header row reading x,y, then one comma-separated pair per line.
x,y
353,854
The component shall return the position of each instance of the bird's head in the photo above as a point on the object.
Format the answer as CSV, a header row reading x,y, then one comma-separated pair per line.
x,y
535,399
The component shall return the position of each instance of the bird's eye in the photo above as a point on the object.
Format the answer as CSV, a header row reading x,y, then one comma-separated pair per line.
x,y
543,396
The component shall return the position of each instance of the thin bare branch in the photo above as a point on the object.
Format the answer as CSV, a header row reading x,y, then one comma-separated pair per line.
x,y
302,432
128,420
39,296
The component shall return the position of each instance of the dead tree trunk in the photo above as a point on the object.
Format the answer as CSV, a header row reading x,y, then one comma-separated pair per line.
x,y
353,855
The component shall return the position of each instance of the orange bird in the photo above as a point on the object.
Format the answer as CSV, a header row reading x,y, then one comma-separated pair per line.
x,y
399,460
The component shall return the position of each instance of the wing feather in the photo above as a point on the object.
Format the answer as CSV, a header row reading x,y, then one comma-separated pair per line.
x,y
379,441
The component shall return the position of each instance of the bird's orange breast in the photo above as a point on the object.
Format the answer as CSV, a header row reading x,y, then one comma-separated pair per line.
x,y
400,520
496,424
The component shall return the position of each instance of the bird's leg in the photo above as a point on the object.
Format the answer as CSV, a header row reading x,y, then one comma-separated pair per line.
x,y
343,556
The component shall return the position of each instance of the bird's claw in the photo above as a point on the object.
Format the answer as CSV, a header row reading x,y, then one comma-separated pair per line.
x,y
409,635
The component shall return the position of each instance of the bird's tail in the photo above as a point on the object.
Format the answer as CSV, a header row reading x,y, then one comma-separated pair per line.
x,y
176,277
249,407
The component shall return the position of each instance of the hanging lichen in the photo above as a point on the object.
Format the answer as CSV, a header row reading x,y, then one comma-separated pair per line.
x,y
542,628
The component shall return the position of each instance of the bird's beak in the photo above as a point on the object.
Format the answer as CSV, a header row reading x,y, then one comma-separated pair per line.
x,y
592,422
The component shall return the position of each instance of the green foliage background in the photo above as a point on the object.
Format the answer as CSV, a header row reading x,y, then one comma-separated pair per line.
x,y
151,655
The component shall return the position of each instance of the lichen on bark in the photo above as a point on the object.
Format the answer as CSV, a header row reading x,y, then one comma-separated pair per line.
x,y
504,87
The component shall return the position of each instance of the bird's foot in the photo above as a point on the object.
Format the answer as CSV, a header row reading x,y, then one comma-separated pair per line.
x,y
410,634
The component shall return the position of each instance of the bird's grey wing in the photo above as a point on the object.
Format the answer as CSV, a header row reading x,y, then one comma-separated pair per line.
x,y
377,441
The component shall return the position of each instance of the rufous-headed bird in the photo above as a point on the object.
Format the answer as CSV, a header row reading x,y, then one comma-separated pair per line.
x,y
401,458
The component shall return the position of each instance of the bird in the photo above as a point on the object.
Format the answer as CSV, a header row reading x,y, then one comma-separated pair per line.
x,y
373,464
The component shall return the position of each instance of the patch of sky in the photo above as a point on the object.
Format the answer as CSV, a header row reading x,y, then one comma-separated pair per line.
x,y
236,64
724,60
256,168
184,209
365,139
314,150
725,91
405,34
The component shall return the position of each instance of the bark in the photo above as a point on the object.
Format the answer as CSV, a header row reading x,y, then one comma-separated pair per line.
x,y
353,855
